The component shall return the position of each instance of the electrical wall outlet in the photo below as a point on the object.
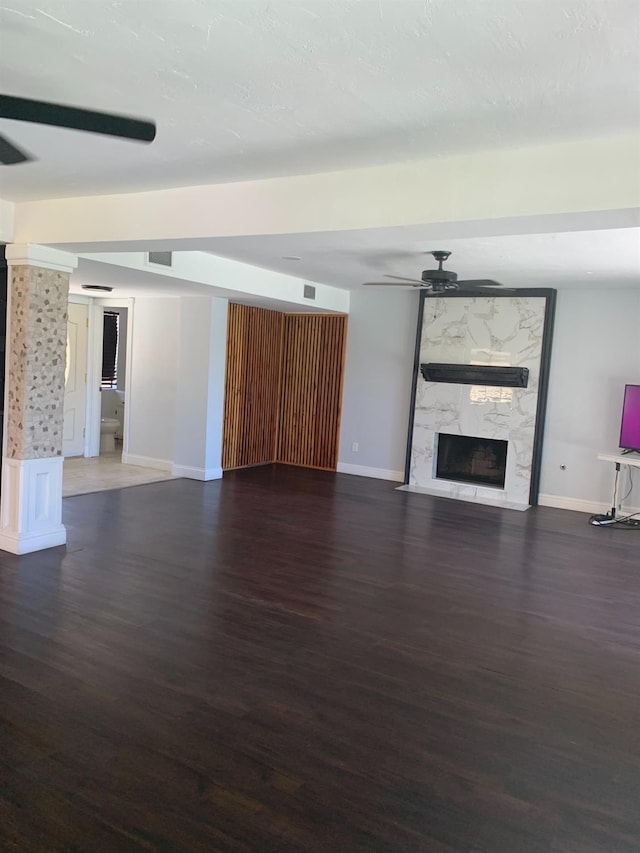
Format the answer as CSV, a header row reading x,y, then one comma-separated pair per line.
x,y
354,447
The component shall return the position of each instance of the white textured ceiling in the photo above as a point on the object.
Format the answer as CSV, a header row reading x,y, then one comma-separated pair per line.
x,y
246,89
607,258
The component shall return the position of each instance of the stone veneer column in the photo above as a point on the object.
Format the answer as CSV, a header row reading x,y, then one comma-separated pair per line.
x,y
31,499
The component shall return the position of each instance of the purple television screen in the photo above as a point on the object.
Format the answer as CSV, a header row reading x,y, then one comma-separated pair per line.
x,y
630,428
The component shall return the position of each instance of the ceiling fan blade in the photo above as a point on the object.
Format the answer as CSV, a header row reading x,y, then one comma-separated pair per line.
x,y
478,282
41,112
402,278
10,154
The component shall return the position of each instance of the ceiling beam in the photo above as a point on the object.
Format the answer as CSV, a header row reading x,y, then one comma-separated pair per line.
x,y
597,175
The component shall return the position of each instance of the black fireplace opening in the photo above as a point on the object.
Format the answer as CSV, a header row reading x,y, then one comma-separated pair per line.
x,y
467,459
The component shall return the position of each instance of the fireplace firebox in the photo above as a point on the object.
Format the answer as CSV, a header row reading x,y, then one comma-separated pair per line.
x,y
467,459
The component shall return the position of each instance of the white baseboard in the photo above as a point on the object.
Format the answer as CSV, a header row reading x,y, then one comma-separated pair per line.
x,y
196,473
376,473
147,462
29,542
579,505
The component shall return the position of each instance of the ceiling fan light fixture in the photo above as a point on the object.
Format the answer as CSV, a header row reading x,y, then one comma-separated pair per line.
x,y
100,288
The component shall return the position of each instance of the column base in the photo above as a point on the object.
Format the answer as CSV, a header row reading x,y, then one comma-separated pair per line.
x,y
31,505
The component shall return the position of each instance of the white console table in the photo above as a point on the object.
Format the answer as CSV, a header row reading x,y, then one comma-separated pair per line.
x,y
631,460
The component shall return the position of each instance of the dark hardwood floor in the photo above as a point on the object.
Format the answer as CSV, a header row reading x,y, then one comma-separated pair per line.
x,y
295,660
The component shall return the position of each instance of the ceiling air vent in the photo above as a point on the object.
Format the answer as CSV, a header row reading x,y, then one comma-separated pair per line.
x,y
163,259
309,291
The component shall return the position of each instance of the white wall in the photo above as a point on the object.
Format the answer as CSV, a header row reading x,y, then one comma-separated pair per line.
x,y
201,380
217,375
7,214
596,350
377,384
224,277
152,395
193,380
565,178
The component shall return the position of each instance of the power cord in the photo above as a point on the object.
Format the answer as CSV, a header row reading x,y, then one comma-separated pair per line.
x,y
630,489
628,521
610,519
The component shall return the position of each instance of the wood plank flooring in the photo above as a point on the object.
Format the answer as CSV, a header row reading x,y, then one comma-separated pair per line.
x,y
293,660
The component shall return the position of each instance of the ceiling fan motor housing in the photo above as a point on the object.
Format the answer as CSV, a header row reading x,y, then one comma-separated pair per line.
x,y
440,279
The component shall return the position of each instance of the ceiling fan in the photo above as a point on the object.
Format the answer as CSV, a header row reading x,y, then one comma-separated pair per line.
x,y
437,281
75,118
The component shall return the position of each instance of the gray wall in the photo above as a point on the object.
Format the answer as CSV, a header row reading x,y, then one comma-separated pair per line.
x,y
152,396
377,384
596,350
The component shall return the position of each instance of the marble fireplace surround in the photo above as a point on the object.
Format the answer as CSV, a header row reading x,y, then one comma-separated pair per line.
x,y
492,329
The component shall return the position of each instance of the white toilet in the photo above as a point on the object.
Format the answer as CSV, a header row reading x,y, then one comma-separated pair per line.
x,y
108,430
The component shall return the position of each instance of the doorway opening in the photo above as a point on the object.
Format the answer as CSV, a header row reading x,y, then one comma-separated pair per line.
x,y
98,374
98,340
113,380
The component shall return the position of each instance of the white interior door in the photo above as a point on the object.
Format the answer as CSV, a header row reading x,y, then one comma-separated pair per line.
x,y
75,393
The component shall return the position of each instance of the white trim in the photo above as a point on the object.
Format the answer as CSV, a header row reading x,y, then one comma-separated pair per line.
x,y
196,473
579,505
147,462
27,544
33,255
79,303
126,421
376,473
31,505
7,374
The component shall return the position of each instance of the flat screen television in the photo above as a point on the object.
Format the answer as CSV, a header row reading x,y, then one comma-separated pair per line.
x,y
630,426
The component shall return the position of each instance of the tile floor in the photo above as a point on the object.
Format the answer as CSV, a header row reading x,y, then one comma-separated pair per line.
x,y
82,476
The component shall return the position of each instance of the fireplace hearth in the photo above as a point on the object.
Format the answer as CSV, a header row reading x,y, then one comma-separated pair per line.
x,y
468,459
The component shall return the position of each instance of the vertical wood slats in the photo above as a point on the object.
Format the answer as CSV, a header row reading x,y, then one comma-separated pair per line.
x,y
251,403
312,371
283,388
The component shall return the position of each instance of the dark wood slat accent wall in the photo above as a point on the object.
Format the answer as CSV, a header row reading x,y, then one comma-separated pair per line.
x,y
283,390
312,372
252,396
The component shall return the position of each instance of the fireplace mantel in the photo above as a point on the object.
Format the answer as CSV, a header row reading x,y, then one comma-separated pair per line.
x,y
476,374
